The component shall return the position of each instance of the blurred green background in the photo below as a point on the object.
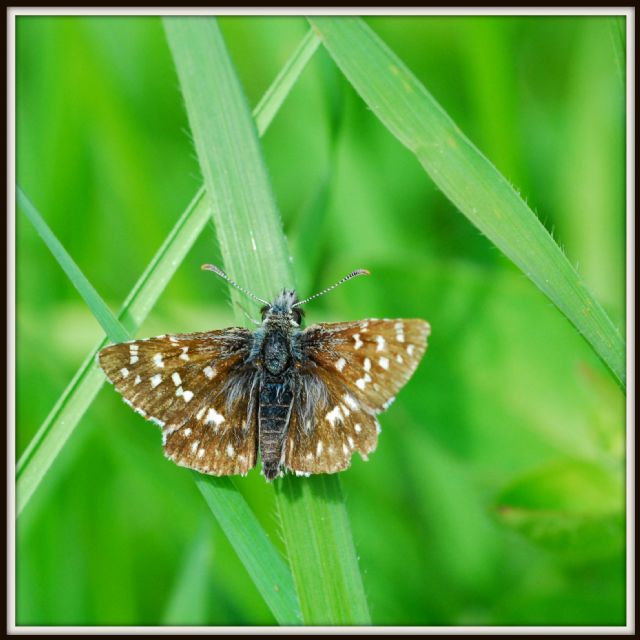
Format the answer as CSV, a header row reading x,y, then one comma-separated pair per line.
x,y
496,495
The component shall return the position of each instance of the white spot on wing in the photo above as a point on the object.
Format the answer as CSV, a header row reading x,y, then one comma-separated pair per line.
x,y
177,380
367,364
124,372
319,448
361,383
186,432
214,417
183,355
200,453
209,372
187,395
350,401
410,349
358,342
357,427
341,364
335,415
345,449
194,446
157,360
384,362
155,380
230,450
138,380
133,359
381,343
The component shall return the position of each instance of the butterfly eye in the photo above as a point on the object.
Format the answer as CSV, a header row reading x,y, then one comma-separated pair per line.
x,y
264,310
297,314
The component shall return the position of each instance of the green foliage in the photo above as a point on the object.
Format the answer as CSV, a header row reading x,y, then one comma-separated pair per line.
x,y
496,494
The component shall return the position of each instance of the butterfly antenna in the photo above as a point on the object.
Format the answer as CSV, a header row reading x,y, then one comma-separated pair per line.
x,y
353,274
224,276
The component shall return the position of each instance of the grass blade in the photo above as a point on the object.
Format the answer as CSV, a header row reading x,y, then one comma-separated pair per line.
x,y
79,394
467,178
264,564
83,388
255,254
335,594
99,309
271,101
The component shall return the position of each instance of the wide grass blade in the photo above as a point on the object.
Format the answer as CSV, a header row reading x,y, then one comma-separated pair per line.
x,y
467,178
255,254
79,394
99,309
335,594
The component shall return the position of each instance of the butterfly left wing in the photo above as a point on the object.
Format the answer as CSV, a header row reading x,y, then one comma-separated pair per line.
x,y
191,385
327,425
349,372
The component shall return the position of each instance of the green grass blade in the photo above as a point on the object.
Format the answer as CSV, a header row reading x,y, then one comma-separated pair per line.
x,y
77,397
335,594
99,309
467,178
264,564
255,253
617,29
79,394
271,101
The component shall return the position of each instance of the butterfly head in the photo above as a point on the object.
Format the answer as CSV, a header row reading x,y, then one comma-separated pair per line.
x,y
283,308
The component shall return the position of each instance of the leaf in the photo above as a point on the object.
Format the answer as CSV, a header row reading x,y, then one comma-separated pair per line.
x,y
571,507
255,254
99,309
467,178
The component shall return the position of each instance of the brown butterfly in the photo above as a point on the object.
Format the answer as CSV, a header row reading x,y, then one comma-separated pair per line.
x,y
306,399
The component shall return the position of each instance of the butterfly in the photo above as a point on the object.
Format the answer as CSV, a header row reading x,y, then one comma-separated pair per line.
x,y
304,399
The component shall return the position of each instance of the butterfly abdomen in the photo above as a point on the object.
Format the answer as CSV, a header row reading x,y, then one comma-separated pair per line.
x,y
276,399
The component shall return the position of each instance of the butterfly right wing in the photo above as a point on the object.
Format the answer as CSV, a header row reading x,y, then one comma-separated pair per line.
x,y
219,439
198,389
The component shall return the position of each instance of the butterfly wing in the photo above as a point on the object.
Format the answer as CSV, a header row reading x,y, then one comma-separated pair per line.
x,y
350,371
192,386
327,425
